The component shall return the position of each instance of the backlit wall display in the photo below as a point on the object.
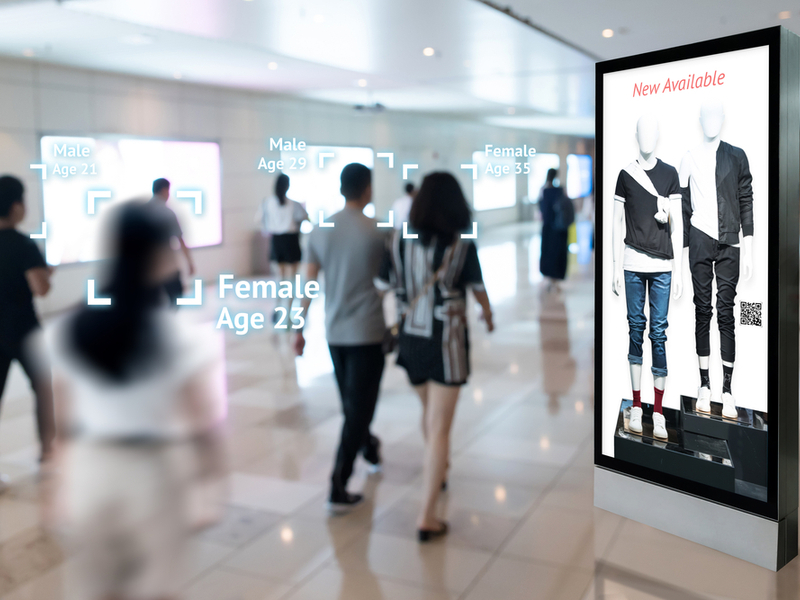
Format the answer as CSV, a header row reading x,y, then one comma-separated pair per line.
x,y
540,164
688,385
317,189
579,175
496,185
117,169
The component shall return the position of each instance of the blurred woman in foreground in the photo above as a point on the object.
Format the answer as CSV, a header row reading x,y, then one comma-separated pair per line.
x,y
132,381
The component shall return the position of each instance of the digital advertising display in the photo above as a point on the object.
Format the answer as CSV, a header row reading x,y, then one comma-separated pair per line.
x,y
688,280
85,176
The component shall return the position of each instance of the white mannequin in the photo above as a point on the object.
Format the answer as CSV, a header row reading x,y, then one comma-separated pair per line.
x,y
712,116
647,139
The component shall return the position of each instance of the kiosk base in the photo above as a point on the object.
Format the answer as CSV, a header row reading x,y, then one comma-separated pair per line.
x,y
755,539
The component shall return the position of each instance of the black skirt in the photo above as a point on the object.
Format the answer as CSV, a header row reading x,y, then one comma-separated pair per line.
x,y
443,358
286,248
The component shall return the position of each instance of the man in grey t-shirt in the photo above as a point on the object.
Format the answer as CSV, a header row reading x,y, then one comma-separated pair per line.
x,y
350,254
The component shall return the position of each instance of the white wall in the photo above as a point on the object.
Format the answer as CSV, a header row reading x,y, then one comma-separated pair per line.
x,y
38,98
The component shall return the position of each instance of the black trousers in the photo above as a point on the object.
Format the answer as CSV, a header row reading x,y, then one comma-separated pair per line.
x,y
38,373
358,371
707,258
174,288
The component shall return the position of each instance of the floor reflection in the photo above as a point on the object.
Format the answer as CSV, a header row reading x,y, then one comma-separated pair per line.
x,y
558,366
520,485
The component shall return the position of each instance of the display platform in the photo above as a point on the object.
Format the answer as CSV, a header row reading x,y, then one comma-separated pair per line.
x,y
695,456
747,441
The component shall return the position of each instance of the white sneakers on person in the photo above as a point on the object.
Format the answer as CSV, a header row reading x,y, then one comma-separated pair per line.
x,y
635,420
729,406
660,426
703,400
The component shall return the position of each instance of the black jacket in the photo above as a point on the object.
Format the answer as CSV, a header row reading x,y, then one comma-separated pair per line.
x,y
734,196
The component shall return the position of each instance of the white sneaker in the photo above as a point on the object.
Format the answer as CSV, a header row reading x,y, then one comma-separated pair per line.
x,y
635,420
703,400
660,426
729,406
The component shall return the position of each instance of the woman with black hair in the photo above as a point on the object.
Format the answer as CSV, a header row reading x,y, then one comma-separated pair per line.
x,y
431,275
133,384
281,218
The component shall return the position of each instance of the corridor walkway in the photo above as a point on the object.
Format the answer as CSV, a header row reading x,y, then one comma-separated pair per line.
x,y
519,500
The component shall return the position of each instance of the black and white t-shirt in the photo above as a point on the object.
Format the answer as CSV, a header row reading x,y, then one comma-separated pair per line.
x,y
648,245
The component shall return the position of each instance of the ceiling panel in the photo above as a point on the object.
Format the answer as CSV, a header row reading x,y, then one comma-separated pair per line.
x,y
645,26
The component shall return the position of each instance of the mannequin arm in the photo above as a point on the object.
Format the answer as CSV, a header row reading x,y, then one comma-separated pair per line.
x,y
686,198
676,235
617,245
747,257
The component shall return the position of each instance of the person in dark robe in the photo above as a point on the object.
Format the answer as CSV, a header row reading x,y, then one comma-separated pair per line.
x,y
553,257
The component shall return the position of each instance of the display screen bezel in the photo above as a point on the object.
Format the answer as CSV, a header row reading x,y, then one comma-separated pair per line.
x,y
771,39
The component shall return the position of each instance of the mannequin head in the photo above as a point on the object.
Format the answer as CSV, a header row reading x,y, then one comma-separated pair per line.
x,y
712,116
647,134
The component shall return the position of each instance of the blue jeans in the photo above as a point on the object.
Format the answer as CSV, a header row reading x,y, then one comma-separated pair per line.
x,y
657,285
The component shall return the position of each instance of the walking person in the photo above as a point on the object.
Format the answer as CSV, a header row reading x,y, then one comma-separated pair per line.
x,y
134,384
431,276
555,225
402,206
173,285
350,252
23,275
281,217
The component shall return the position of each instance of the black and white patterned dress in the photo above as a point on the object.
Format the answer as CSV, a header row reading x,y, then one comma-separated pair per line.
x,y
434,341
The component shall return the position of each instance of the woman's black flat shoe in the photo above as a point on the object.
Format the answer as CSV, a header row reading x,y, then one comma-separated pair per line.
x,y
427,535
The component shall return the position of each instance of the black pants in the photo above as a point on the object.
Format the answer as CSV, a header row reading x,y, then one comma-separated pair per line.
x,y
358,371
707,258
174,288
38,373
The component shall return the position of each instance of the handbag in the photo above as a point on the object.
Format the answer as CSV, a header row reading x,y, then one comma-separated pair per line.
x,y
391,337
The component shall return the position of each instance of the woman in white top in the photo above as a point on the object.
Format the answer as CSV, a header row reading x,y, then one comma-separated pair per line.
x,y
135,388
281,218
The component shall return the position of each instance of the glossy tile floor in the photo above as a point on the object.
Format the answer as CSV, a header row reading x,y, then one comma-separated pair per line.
x,y
520,495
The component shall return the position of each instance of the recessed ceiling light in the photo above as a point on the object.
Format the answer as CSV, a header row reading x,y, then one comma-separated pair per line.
x,y
138,39
429,51
287,535
319,18
511,110
29,52
607,33
362,83
177,75
785,14
272,66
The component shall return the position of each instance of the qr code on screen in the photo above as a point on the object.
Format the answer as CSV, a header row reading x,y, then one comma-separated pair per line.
x,y
751,313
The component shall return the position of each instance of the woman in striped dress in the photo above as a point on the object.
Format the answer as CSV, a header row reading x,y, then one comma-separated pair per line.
x,y
431,275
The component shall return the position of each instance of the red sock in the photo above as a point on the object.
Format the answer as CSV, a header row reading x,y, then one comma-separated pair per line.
x,y
657,405
637,398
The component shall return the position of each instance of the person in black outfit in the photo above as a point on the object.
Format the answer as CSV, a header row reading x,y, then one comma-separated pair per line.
x,y
174,286
553,257
23,274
